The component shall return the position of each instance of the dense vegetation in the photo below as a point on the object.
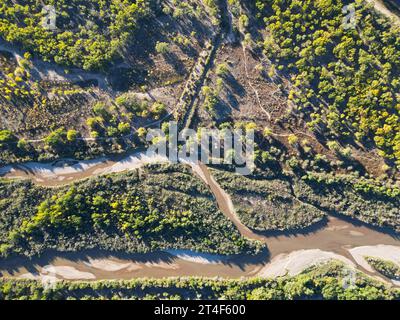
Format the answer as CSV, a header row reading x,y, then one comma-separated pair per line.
x,y
269,200
267,204
327,282
108,122
88,34
358,198
333,94
388,268
41,102
345,80
158,208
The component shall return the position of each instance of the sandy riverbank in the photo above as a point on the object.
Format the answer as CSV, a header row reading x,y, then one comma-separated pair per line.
x,y
295,262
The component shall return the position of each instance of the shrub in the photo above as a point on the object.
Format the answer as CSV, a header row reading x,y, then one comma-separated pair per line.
x,y
162,47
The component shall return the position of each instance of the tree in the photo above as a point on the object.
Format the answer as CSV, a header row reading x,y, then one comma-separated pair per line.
x,y
22,144
293,139
72,135
6,137
157,109
124,128
162,47
56,138
141,132
222,69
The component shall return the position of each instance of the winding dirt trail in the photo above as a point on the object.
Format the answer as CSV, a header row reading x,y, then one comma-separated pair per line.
x,y
251,84
52,72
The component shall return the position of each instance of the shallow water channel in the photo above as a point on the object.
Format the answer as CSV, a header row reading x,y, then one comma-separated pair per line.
x,y
287,251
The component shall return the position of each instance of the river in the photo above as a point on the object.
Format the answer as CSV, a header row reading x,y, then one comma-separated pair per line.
x,y
288,252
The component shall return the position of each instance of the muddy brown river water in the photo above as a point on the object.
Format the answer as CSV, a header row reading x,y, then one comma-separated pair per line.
x,y
331,238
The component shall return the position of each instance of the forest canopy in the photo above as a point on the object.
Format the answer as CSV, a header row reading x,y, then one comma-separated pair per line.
x,y
88,34
345,78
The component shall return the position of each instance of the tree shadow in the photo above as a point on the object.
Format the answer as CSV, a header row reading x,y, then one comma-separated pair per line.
x,y
393,5
235,86
301,231
172,59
